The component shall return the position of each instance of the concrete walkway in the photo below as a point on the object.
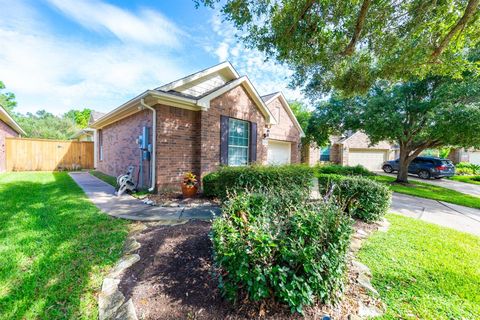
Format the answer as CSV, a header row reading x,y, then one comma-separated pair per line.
x,y
467,188
445,214
127,207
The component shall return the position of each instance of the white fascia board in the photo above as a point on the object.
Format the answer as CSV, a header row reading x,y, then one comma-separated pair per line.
x,y
200,74
204,102
284,101
132,106
5,117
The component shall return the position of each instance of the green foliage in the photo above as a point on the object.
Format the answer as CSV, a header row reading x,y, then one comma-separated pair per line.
x,y
80,117
424,271
350,45
7,99
267,246
45,125
470,167
302,114
444,152
275,179
361,197
343,170
465,171
210,184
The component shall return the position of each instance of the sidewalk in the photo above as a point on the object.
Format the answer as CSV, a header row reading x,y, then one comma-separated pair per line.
x,y
127,207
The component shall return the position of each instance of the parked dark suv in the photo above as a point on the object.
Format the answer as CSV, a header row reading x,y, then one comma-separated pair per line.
x,y
424,167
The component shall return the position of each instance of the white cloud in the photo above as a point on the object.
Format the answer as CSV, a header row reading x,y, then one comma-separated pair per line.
x,y
147,27
267,76
48,71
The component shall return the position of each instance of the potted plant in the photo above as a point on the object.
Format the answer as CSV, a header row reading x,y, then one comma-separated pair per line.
x,y
189,185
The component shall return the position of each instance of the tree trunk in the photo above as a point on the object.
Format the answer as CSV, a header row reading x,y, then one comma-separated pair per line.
x,y
403,163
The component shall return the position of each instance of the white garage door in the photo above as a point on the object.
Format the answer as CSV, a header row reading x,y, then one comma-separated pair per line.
x,y
370,159
278,152
475,157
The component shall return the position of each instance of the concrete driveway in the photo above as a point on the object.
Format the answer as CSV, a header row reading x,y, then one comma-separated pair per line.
x,y
467,188
445,214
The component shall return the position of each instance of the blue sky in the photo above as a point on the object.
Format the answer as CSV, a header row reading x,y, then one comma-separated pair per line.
x,y
63,54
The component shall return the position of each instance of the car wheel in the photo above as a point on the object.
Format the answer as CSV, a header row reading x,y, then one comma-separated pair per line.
x,y
424,174
438,178
387,168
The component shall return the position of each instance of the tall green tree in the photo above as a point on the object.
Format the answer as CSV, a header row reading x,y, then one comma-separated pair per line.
x,y
7,99
349,45
302,113
81,117
46,125
418,115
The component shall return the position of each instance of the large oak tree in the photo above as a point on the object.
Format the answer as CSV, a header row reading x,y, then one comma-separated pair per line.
x,y
417,115
349,45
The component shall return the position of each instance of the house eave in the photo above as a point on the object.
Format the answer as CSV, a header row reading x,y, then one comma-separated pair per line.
x,y
284,101
5,117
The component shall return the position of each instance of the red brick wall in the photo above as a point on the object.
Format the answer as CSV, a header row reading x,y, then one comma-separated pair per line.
x,y
236,104
120,148
178,145
5,131
285,129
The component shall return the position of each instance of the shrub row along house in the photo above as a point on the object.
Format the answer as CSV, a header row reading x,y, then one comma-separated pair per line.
x,y
8,128
213,117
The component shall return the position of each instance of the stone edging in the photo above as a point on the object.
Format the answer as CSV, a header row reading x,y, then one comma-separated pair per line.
x,y
111,302
369,302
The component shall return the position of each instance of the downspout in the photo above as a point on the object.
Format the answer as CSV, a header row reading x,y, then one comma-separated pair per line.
x,y
154,145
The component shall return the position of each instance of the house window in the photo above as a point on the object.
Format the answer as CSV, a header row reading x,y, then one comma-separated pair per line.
x,y
325,154
100,145
238,142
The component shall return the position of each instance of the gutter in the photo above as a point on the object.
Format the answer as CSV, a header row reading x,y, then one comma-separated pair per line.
x,y
154,145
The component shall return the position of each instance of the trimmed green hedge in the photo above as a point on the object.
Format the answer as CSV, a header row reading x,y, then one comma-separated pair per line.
x,y
273,179
343,170
361,197
266,247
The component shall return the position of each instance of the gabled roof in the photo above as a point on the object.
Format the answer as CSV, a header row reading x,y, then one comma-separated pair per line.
x,y
82,132
5,117
95,115
272,96
194,92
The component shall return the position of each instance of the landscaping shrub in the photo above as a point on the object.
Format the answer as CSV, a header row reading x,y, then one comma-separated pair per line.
x,y
476,178
273,179
361,197
265,246
210,184
343,170
467,168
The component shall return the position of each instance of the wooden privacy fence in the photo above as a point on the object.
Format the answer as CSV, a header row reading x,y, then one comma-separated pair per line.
x,y
47,155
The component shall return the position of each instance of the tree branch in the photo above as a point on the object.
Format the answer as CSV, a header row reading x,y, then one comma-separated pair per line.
x,y
358,28
308,6
460,25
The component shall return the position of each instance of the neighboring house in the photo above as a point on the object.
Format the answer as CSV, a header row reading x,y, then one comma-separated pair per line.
x,y
213,117
465,155
88,133
354,149
8,128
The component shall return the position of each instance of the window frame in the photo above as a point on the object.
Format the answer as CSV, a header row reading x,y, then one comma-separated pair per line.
x,y
233,146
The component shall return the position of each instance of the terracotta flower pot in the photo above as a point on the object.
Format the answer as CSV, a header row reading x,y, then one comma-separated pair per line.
x,y
189,191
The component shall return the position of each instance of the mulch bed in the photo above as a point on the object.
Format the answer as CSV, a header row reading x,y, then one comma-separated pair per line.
x,y
174,280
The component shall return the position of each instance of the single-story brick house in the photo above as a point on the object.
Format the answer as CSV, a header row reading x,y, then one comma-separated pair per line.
x,y
353,148
465,155
8,128
210,118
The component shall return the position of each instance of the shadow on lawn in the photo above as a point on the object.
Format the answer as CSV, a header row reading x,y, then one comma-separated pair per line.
x,y
54,245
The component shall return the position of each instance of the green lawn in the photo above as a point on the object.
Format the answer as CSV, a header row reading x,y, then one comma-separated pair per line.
x,y
55,247
105,177
423,271
429,191
466,179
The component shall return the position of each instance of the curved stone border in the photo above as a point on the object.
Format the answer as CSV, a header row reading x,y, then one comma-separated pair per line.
x,y
111,302
369,303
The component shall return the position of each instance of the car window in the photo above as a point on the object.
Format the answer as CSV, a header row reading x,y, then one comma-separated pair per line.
x,y
446,162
